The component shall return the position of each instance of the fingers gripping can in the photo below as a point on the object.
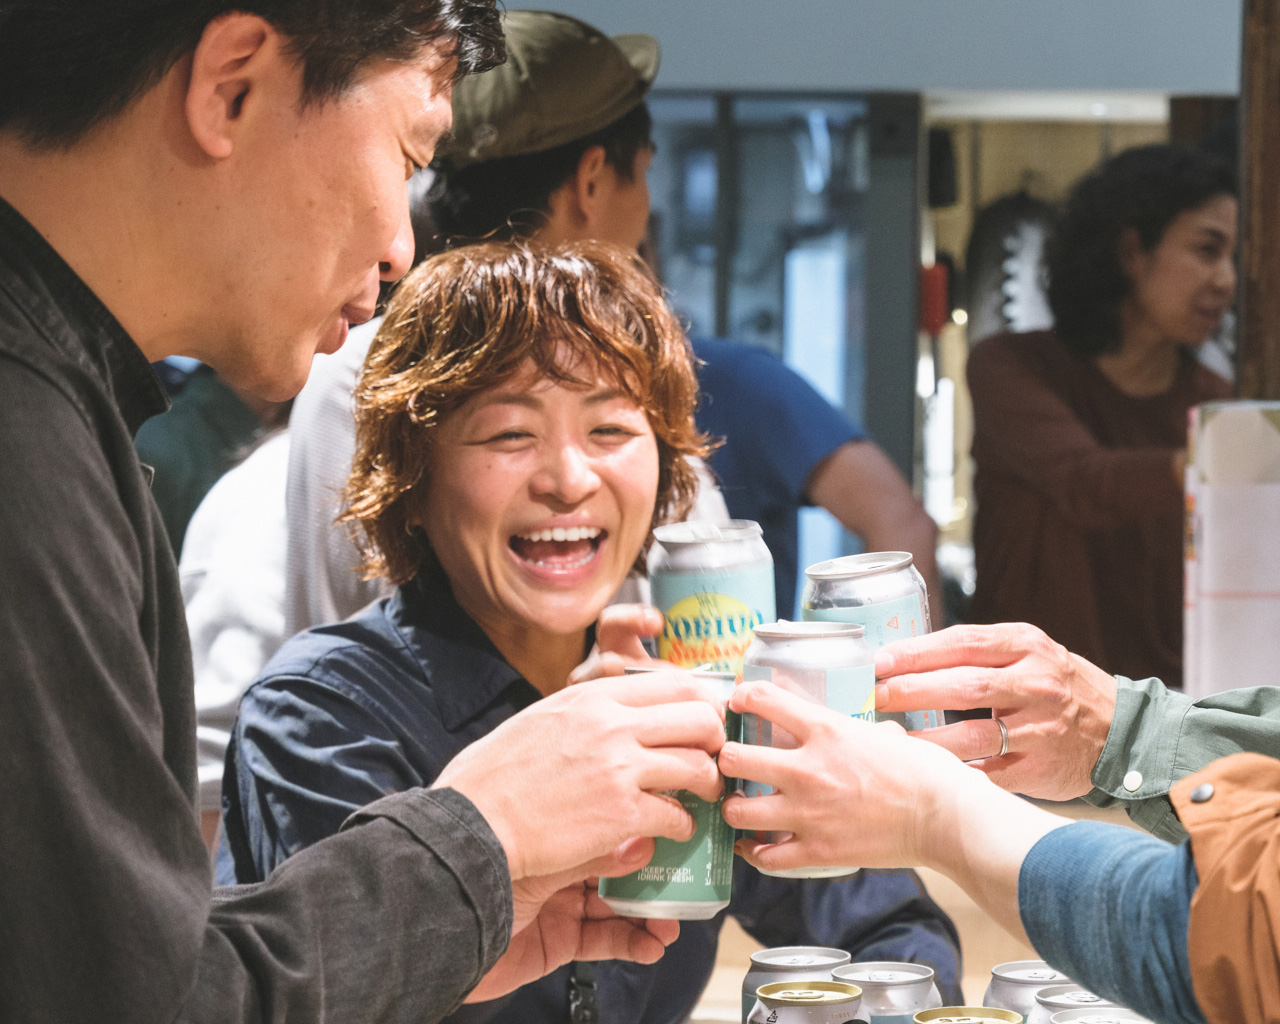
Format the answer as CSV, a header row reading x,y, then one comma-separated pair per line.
x,y
829,663
713,583
689,881
892,993
1014,985
807,1002
880,591
1056,998
788,963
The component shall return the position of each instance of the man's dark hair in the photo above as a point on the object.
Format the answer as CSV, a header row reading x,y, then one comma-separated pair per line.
x,y
1144,189
507,198
68,65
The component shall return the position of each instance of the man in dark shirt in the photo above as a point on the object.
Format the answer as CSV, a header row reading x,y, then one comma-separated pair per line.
x,y
227,182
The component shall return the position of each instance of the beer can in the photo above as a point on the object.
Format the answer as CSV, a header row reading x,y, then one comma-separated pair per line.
x,y
788,963
1014,985
829,663
892,992
1104,1016
807,1002
1056,998
689,881
967,1015
713,583
880,591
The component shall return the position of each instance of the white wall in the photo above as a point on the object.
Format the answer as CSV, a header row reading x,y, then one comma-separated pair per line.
x,y
1177,46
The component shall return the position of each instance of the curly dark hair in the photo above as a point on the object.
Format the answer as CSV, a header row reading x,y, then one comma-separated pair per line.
x,y
470,319
68,65
1144,189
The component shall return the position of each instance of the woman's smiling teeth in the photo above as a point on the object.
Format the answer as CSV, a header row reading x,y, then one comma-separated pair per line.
x,y
562,533
560,548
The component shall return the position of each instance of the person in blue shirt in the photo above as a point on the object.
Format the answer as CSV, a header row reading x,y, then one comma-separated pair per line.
x,y
514,450
785,447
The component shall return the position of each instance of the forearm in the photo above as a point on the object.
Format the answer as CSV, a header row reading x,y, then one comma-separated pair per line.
x,y
979,836
394,919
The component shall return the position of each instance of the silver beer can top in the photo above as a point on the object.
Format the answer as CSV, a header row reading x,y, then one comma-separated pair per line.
x,y
1108,1016
1070,997
701,532
885,972
784,629
1029,972
850,566
783,957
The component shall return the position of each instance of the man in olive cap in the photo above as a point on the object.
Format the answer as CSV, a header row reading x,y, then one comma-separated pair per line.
x,y
553,145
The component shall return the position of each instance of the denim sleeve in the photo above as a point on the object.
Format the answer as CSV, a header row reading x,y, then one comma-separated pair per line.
x,y
1110,907
875,915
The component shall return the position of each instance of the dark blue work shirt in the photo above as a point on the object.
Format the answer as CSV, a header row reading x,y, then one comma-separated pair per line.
x,y
344,714
777,429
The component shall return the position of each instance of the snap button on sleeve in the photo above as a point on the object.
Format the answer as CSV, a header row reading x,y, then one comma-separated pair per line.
x,y
1201,794
1133,781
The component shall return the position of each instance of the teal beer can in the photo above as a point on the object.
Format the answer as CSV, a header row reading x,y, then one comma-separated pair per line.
x,y
689,881
880,591
713,583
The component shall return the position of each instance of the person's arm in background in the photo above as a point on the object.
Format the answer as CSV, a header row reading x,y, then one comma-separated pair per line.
x,y
858,485
1105,904
1074,730
1022,430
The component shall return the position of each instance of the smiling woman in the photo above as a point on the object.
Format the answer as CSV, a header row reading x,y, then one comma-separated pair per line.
x,y
524,419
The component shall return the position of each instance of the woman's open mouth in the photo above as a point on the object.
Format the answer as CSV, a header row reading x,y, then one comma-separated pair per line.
x,y
560,549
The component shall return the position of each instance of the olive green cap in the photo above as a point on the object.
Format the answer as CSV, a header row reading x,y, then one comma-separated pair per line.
x,y
562,80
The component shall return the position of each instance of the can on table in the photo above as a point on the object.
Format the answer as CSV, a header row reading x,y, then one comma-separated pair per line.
x,y
1056,998
1014,985
1114,1015
967,1015
788,963
689,881
713,583
807,1002
829,663
880,591
892,992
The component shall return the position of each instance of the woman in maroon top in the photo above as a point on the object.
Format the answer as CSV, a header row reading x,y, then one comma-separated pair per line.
x,y
1080,432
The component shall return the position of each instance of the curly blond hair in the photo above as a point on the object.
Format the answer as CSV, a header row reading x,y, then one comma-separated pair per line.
x,y
468,320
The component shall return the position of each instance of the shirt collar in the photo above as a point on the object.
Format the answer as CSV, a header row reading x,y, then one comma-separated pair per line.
x,y
467,673
73,320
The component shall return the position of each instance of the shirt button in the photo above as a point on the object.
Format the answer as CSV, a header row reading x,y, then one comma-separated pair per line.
x,y
1202,793
1133,781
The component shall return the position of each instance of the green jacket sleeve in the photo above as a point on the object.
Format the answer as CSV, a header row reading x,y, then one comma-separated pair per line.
x,y
1159,736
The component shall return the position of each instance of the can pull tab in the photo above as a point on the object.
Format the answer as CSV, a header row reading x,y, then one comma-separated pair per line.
x,y
801,995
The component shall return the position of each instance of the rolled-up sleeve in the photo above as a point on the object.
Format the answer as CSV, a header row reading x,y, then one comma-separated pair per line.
x,y
1159,736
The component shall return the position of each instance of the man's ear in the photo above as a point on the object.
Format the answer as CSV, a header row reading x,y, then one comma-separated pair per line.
x,y
588,182
1130,252
225,74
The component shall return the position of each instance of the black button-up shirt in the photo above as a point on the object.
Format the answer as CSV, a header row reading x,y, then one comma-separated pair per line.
x,y
348,712
106,908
